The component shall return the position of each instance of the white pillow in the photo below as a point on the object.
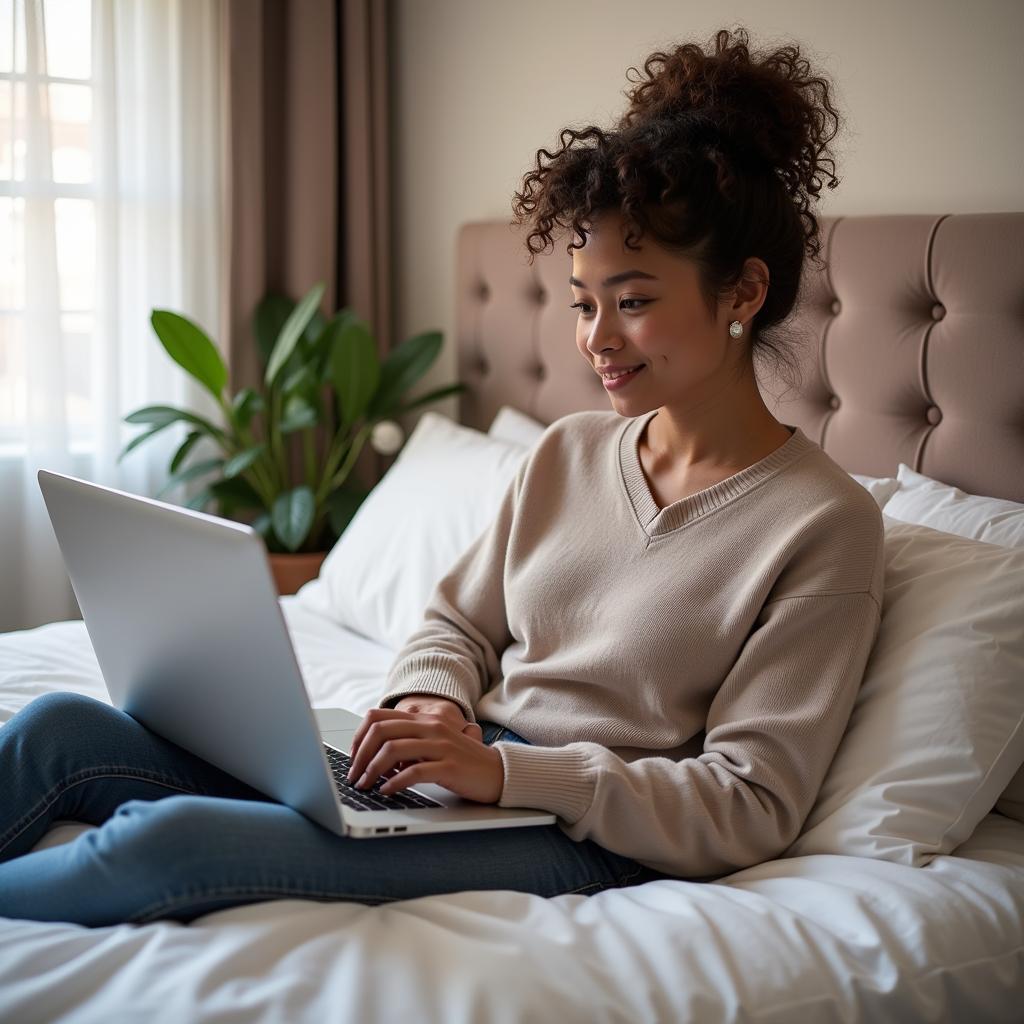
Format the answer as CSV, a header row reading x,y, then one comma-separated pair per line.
x,y
441,492
1011,803
929,502
941,506
937,730
512,425
881,488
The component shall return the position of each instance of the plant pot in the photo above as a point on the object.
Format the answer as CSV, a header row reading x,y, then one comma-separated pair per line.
x,y
292,571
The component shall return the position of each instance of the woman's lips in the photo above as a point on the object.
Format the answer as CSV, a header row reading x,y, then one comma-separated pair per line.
x,y
620,382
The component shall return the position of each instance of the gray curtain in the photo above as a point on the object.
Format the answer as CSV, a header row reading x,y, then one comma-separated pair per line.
x,y
309,170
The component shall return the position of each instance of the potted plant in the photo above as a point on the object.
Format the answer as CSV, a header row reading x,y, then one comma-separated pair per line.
x,y
315,372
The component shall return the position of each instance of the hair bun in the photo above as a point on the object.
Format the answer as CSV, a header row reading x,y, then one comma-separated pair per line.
x,y
764,112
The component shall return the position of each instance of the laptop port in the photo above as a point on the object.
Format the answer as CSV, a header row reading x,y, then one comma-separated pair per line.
x,y
379,830
400,828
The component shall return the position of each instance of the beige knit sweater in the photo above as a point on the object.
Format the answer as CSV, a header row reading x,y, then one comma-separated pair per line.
x,y
684,673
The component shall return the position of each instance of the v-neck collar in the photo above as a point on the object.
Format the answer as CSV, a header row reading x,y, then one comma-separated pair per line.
x,y
656,521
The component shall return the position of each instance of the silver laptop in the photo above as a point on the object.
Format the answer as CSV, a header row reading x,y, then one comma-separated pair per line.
x,y
184,618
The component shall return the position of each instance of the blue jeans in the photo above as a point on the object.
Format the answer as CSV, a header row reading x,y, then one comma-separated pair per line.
x,y
178,837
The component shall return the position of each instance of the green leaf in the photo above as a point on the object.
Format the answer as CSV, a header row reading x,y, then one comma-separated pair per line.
x,y
403,367
298,413
189,346
433,396
314,329
342,505
245,405
263,527
139,438
239,463
261,524
293,327
162,414
200,500
325,343
230,499
271,315
238,491
165,415
354,368
196,469
302,379
292,516
186,447
308,355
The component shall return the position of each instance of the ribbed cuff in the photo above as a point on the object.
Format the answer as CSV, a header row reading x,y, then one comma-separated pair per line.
x,y
430,678
555,779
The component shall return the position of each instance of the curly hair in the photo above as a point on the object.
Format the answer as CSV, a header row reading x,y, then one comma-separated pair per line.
x,y
717,156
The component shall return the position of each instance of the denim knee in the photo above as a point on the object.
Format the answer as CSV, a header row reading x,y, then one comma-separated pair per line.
x,y
142,834
61,706
51,726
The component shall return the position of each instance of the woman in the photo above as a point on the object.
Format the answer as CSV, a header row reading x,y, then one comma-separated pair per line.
x,y
673,607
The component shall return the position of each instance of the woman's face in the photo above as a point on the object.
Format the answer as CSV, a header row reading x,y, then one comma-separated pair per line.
x,y
658,321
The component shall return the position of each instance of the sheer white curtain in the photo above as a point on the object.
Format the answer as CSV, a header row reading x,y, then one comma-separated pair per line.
x,y
111,205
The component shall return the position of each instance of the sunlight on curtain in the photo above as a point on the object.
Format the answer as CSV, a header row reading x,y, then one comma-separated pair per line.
x,y
110,206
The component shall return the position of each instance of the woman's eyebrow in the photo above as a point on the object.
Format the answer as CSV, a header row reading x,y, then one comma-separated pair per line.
x,y
626,275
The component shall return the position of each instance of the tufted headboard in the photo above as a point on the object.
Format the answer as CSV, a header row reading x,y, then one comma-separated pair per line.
x,y
911,343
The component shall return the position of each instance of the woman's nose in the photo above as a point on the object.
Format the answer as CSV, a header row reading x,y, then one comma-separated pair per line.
x,y
603,335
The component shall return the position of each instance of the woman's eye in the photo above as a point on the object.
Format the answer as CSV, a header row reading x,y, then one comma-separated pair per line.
x,y
580,305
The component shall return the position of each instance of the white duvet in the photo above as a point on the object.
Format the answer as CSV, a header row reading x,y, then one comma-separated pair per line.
x,y
807,939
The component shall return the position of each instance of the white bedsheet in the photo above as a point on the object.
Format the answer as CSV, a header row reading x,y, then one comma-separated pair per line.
x,y
806,939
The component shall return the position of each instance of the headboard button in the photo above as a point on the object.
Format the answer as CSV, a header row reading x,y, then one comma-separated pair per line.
x,y
938,311
541,296
482,292
539,371
934,414
836,306
481,365
834,401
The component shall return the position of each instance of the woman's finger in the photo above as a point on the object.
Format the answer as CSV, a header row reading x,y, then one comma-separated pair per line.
x,y
371,717
380,732
395,750
422,771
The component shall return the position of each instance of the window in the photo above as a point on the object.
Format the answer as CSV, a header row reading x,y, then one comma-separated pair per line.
x,y
47,205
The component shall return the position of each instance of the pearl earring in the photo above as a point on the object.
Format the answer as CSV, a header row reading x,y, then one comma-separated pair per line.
x,y
736,329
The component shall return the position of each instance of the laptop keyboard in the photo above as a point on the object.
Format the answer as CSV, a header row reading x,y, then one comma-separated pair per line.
x,y
371,799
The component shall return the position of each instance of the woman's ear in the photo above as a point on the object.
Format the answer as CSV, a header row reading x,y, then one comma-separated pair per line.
x,y
750,291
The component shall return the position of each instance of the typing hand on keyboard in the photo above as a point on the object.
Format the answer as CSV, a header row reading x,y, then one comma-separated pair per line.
x,y
370,799
436,746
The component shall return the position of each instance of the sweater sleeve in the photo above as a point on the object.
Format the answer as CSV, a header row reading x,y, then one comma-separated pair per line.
x,y
456,653
773,728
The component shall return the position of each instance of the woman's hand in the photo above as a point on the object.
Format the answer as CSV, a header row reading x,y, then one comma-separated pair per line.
x,y
426,739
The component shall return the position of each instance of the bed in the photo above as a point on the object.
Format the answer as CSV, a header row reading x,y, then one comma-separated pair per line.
x,y
913,360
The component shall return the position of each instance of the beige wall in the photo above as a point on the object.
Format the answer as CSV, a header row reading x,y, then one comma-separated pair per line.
x,y
931,90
